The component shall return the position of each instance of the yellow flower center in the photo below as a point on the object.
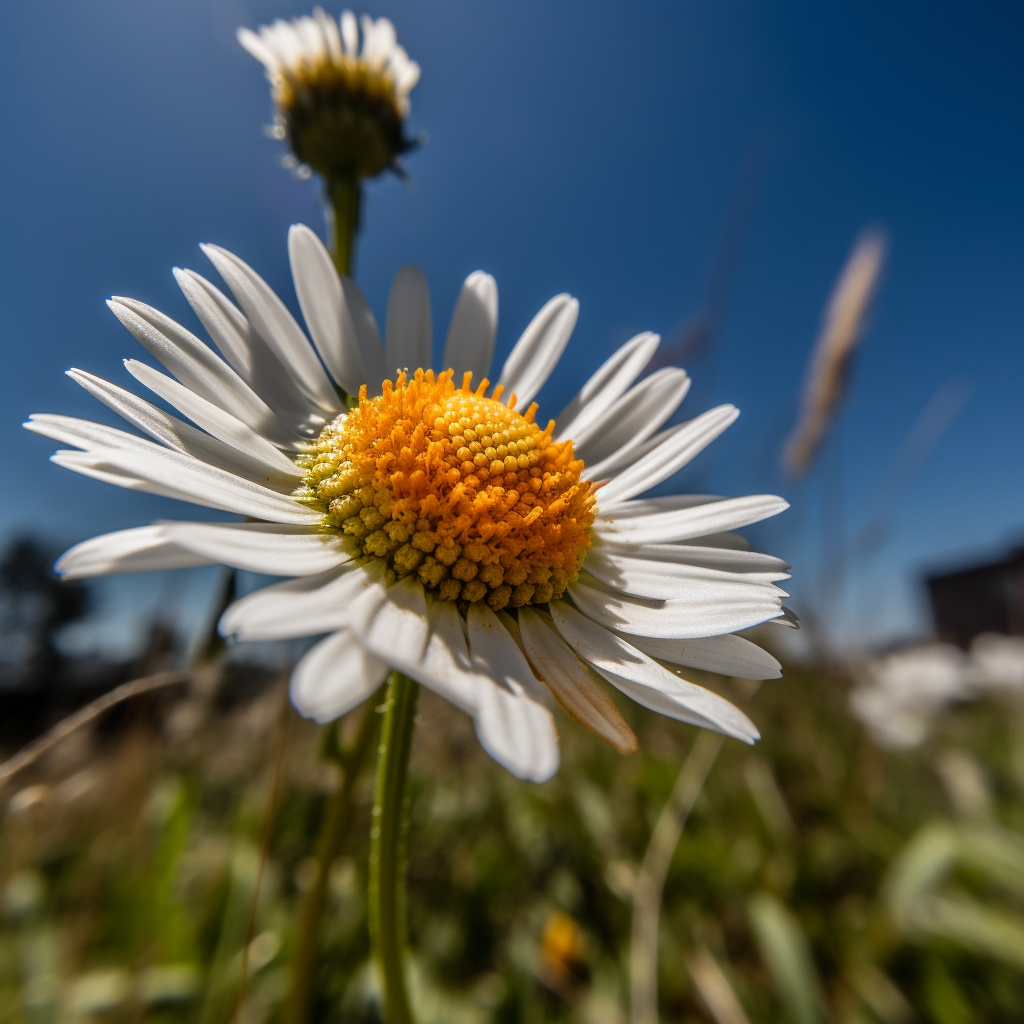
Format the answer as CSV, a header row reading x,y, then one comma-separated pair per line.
x,y
473,497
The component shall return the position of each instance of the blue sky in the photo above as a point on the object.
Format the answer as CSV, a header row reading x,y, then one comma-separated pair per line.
x,y
585,147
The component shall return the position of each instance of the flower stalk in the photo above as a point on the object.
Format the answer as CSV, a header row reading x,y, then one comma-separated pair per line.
x,y
345,195
388,846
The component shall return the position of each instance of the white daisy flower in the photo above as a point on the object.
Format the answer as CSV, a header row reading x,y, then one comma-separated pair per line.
x,y
997,662
341,107
435,527
898,697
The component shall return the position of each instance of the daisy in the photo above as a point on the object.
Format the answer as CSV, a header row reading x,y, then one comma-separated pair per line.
x,y
898,697
432,523
341,108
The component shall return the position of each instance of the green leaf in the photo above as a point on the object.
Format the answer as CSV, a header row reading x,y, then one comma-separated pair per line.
x,y
961,920
787,955
922,866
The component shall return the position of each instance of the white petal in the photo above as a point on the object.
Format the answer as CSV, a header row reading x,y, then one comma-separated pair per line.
x,y
623,457
269,316
263,547
252,42
287,413
304,606
407,329
650,506
512,723
732,541
335,676
175,475
634,417
646,681
788,618
314,48
92,437
470,344
378,41
724,559
538,350
367,334
350,355
606,385
571,684
332,38
398,622
192,362
641,577
94,467
222,425
277,38
728,655
350,33
681,445
224,321
85,434
142,549
398,62
687,523
366,23
445,666
406,79
708,609
175,433
286,42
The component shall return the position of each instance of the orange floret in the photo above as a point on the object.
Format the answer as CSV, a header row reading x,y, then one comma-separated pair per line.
x,y
430,468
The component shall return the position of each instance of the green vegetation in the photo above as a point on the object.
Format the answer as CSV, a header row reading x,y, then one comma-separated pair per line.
x,y
818,878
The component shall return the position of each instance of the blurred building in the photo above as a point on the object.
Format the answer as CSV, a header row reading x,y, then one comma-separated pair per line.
x,y
986,598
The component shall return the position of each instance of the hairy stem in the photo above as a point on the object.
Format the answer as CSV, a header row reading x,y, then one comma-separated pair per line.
x,y
346,195
333,829
388,835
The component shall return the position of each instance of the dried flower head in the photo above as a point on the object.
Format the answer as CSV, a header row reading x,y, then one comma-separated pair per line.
x,y
830,364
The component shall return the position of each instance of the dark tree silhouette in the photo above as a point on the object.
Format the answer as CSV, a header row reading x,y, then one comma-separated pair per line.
x,y
35,604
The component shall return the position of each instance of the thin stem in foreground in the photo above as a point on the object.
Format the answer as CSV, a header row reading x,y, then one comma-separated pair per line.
x,y
650,880
333,829
388,835
266,831
345,196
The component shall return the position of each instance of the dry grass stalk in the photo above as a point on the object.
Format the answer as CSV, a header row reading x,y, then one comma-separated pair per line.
x,y
267,830
714,988
28,755
650,880
830,364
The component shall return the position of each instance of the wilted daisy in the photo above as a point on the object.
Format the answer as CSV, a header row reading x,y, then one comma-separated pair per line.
x,y
435,525
340,106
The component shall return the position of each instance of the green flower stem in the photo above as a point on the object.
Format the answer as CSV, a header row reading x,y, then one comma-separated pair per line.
x,y
333,829
346,197
388,835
